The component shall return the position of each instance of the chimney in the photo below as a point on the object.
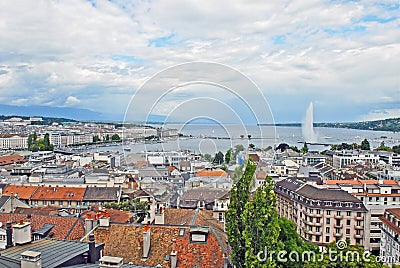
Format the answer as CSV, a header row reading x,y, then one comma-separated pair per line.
x,y
93,254
9,235
22,233
88,224
174,258
114,262
226,261
159,216
31,259
105,220
146,241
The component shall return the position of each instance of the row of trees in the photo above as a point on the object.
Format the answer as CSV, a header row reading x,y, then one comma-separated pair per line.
x,y
365,145
43,144
106,138
254,226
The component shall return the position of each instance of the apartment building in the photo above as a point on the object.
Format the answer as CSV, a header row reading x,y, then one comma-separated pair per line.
x,y
322,215
390,237
13,142
376,195
344,158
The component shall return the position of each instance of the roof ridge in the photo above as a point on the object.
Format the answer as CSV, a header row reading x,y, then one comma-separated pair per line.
x,y
72,228
196,213
220,243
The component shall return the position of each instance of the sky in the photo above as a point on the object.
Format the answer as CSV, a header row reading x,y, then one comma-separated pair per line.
x,y
343,56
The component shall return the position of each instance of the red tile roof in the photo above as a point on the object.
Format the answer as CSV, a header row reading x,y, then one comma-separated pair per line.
x,y
11,159
59,193
126,241
116,216
21,191
69,228
211,173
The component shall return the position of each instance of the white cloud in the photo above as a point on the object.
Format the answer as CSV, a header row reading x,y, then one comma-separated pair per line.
x,y
301,49
72,101
381,114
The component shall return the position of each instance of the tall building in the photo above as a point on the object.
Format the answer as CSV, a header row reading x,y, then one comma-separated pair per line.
x,y
322,215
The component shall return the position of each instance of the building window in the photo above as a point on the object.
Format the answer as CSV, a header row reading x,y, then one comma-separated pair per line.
x,y
328,221
52,202
348,213
338,213
328,230
358,214
328,212
347,231
327,238
348,222
317,238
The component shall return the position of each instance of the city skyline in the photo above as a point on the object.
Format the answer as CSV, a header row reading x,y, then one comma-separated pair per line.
x,y
341,55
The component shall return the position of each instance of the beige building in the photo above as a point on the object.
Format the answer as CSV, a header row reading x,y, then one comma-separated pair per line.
x,y
322,216
13,142
390,237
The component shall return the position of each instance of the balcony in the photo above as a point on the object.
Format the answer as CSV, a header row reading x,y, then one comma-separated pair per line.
x,y
338,234
358,236
359,227
338,226
338,217
361,218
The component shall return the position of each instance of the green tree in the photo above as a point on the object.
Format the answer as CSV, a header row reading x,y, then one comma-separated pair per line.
x,y
365,145
249,136
293,242
262,228
228,156
219,158
235,223
46,141
349,256
31,140
304,150
208,157
96,138
383,147
107,137
252,146
115,137
396,149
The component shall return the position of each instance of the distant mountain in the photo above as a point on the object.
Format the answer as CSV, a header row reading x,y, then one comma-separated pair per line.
x,y
391,124
48,111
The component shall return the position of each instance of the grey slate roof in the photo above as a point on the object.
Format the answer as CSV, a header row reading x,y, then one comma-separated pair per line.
x,y
3,200
291,184
9,263
54,252
101,194
326,194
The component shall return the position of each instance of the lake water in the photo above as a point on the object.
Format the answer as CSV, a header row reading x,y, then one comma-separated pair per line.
x,y
214,138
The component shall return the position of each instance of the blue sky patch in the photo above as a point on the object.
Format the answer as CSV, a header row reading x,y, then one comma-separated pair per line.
x,y
127,58
279,39
162,41
374,18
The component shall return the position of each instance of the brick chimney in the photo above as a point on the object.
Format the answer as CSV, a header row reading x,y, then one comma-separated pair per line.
x,y
174,258
159,216
22,233
9,232
89,224
31,259
146,241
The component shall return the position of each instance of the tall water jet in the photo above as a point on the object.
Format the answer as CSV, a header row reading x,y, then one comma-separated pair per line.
x,y
307,126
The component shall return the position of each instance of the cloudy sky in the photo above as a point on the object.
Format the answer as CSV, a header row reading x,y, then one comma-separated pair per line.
x,y
344,56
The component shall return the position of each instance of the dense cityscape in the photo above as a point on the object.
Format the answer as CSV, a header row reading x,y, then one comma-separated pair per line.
x,y
177,208
199,134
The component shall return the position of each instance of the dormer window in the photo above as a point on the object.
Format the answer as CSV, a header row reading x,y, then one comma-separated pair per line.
x,y
198,234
